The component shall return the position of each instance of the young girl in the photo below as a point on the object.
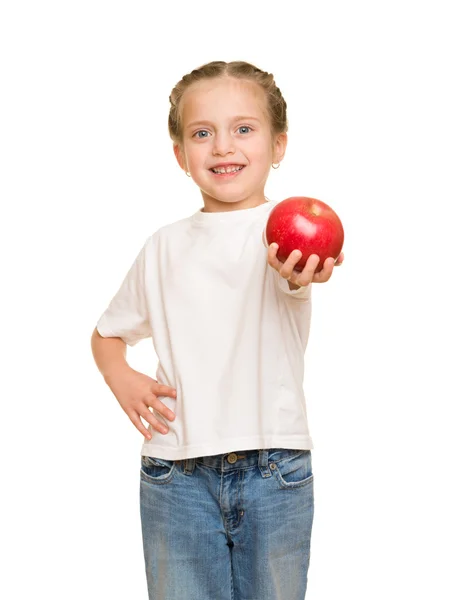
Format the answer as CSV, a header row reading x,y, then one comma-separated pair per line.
x,y
226,482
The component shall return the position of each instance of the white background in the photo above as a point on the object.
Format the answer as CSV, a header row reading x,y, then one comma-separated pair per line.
x,y
87,173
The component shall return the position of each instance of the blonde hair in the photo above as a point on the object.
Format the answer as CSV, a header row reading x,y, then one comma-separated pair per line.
x,y
276,104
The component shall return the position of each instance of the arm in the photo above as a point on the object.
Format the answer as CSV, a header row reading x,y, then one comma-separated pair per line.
x,y
109,354
134,391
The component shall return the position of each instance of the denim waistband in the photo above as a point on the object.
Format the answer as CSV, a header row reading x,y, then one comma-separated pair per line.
x,y
241,459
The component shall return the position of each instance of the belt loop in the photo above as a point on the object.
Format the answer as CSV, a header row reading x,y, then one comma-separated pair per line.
x,y
263,462
189,465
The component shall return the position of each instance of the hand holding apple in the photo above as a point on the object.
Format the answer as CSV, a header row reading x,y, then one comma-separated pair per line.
x,y
308,275
310,226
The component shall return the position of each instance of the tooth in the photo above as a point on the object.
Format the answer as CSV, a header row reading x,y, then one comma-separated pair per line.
x,y
224,170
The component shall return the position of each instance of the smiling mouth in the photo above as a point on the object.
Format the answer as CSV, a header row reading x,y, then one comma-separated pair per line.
x,y
227,170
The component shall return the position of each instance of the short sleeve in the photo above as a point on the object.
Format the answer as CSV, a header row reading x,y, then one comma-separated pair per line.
x,y
303,293
299,302
127,315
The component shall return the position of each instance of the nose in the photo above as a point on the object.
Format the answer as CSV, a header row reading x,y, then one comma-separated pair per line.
x,y
223,144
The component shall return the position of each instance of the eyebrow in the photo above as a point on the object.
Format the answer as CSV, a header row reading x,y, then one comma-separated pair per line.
x,y
238,118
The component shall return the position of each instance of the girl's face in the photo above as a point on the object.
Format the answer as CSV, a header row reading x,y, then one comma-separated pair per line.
x,y
225,122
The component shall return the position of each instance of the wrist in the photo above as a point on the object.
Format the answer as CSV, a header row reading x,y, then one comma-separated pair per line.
x,y
115,370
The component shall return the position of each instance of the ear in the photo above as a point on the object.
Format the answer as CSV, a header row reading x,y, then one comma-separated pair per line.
x,y
179,156
279,147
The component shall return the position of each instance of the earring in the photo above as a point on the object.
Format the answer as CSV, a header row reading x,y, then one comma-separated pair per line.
x,y
188,174
277,167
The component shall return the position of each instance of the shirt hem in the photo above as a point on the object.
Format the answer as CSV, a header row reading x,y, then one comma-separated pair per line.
x,y
105,332
226,446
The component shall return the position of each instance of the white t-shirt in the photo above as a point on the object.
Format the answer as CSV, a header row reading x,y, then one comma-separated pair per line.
x,y
228,332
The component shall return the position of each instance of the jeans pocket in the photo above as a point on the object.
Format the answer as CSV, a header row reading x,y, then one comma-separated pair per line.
x,y
157,470
294,470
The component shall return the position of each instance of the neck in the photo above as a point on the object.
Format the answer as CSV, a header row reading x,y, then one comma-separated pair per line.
x,y
214,205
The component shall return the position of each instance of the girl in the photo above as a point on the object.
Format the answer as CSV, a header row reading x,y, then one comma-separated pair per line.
x,y
226,482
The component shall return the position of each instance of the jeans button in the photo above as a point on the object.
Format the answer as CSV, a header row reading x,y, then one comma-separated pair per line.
x,y
232,458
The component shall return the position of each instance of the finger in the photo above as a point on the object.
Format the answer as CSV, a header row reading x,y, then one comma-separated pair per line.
x,y
165,390
287,269
307,274
134,418
155,403
272,257
326,272
153,421
340,260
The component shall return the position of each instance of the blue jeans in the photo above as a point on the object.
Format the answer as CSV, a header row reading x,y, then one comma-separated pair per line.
x,y
233,526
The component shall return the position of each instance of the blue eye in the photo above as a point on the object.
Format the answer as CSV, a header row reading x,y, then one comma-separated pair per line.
x,y
201,136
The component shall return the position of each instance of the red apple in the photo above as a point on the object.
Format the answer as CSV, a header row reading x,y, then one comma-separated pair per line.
x,y
305,224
